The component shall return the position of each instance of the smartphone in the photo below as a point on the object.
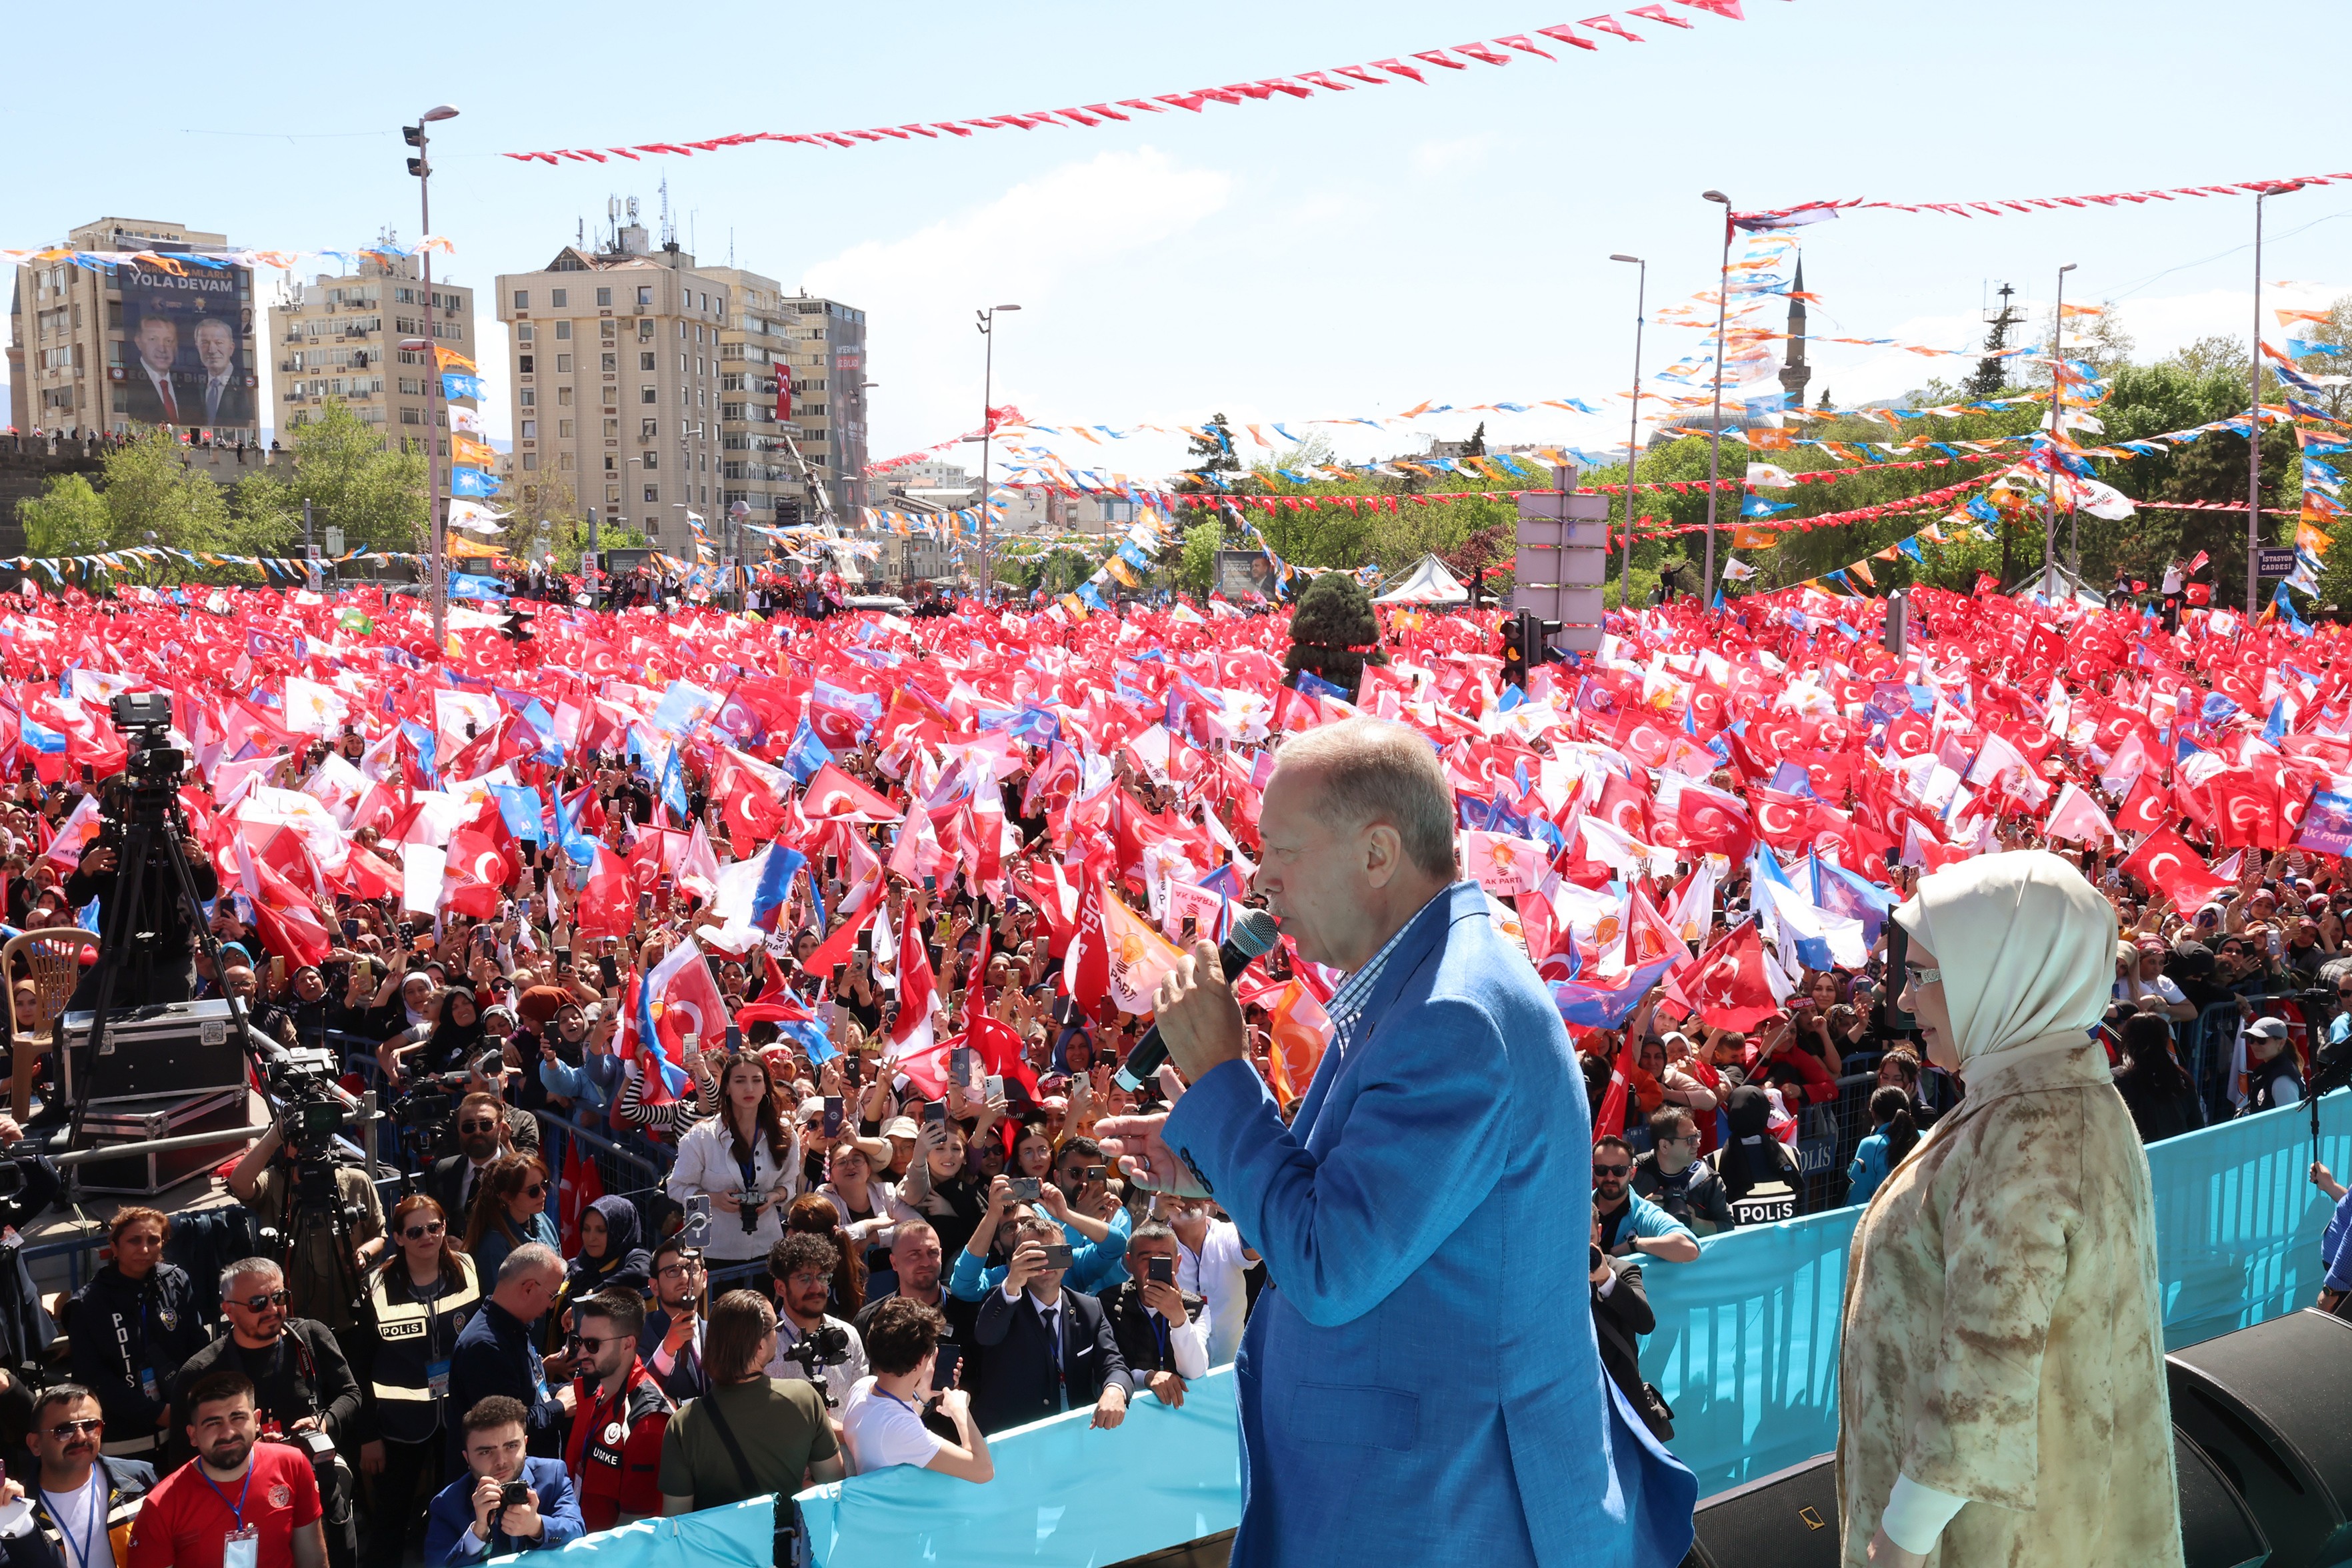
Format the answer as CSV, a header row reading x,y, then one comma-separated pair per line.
x,y
89,777
962,1064
1898,954
540,874
937,954
865,941
1058,1255
930,882
696,1233
855,1071
645,903
840,974
1025,1189
350,931
1192,928
563,959
993,1088
609,972
734,1041
832,865
832,1113
422,941
1160,1270
277,970
943,1370
936,1111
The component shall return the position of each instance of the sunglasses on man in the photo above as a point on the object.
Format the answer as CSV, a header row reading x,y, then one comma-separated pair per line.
x,y
1612,1169
64,1430
276,1297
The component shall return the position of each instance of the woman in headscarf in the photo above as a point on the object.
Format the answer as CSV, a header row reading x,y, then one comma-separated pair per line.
x,y
611,1256
2001,1395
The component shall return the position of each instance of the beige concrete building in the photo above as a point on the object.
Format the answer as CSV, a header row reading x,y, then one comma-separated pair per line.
x,y
822,343
340,338
73,363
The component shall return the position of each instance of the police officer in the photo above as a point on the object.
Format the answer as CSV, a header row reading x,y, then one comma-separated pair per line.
x,y
132,1326
419,1301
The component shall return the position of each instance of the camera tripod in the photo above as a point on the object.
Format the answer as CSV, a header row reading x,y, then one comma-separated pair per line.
x,y
151,831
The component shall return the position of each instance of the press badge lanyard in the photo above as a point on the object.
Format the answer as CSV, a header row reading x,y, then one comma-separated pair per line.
x,y
240,1547
78,1552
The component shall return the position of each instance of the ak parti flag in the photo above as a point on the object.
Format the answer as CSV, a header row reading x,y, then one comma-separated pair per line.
x,y
1299,1031
1138,958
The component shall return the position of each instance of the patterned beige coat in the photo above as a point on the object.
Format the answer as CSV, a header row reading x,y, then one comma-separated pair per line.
x,y
2002,1336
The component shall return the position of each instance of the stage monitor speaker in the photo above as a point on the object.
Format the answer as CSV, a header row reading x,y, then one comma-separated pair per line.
x,y
1787,1520
1790,1520
2266,1405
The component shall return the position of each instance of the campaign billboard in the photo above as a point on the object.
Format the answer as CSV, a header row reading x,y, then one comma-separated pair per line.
x,y
187,349
1243,573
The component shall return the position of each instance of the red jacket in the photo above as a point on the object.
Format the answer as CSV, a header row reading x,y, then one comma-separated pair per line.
x,y
615,1450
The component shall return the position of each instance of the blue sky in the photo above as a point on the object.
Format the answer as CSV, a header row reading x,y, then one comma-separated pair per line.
x,y
1292,259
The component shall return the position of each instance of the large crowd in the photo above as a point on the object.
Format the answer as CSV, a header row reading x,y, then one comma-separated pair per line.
x,y
741,994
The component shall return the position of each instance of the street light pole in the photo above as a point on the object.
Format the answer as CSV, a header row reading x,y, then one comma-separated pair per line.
x,y
2057,405
987,324
1634,426
2254,402
1715,434
436,514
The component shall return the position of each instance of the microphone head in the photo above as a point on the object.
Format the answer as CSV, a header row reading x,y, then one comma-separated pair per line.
x,y
1254,933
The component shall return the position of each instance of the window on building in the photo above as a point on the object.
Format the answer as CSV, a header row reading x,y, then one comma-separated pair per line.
x,y
645,361
523,364
648,429
523,333
558,297
527,399
411,416
562,328
564,430
563,461
645,296
612,495
531,460
522,299
611,363
652,459
530,429
562,364
681,365
608,328
653,495
563,398
605,297
647,395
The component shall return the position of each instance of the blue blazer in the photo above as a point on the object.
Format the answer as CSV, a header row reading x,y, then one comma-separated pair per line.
x,y
1422,1381
450,1515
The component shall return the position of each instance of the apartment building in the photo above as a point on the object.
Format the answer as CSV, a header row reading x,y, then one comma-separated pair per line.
x,y
340,338
822,343
120,347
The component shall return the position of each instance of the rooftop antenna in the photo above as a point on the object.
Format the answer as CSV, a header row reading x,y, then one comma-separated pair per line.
x,y
668,229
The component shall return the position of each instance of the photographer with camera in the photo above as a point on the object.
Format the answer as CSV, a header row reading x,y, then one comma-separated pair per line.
x,y
132,1327
809,1342
750,1434
151,948
744,1161
506,1501
302,1390
323,1214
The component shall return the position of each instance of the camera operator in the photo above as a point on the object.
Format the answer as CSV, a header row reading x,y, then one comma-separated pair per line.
x,y
131,1327
508,1500
314,1224
801,1267
303,1391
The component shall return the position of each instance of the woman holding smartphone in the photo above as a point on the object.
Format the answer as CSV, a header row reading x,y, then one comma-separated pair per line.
x,y
745,1150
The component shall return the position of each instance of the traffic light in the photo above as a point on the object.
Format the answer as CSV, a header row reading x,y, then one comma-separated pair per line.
x,y
415,136
517,628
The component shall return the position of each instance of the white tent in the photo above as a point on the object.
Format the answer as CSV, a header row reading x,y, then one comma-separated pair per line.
x,y
1428,583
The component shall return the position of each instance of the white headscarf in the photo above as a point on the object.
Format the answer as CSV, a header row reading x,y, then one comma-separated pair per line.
x,y
2028,950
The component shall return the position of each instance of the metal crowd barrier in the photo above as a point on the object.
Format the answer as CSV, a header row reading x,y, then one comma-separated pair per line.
x,y
620,1172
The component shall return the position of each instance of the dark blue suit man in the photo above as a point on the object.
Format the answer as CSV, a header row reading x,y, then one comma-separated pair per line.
x,y
1420,1381
467,1521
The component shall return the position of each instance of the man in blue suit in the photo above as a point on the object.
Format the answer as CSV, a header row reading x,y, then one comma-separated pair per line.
x,y
469,1520
1421,1379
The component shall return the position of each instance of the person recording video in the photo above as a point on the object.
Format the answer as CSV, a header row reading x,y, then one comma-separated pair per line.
x,y
150,948
508,1500
328,1236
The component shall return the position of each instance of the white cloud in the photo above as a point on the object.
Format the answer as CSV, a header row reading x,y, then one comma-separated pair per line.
x,y
1056,244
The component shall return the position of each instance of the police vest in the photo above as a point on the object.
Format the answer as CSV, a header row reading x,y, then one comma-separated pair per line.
x,y
413,1340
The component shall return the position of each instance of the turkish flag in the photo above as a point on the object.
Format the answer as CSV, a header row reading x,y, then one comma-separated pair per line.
x,y
607,903
2165,862
1710,819
582,1186
1728,984
1609,1121
477,876
1624,808
1001,1054
1783,821
2245,808
2147,808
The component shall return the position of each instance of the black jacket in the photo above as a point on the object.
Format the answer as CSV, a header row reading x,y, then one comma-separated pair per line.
x,y
496,1354
411,1337
1139,1340
308,1375
123,1331
1698,1200
36,1543
1018,1378
1620,1320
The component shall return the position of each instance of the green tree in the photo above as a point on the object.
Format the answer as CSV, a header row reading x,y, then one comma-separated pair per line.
x,y
341,466
1992,371
1333,619
1478,446
1211,453
69,518
1196,568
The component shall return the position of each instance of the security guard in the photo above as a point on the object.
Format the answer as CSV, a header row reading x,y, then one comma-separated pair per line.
x,y
419,1299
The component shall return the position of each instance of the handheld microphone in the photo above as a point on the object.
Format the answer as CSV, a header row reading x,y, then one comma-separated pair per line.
x,y
1253,934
